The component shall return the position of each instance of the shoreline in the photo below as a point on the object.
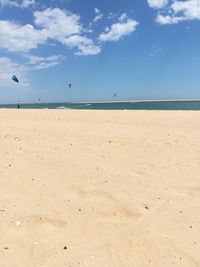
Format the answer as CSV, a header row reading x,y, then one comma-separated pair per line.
x,y
110,102
133,101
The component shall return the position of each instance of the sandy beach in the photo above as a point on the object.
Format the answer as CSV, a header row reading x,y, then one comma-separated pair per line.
x,y
99,188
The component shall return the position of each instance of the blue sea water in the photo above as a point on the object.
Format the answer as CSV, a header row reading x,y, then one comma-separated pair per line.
x,y
134,105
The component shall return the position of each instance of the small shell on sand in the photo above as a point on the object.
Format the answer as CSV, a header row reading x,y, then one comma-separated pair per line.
x,y
18,223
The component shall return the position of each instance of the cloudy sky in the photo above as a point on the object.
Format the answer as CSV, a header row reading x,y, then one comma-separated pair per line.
x,y
143,49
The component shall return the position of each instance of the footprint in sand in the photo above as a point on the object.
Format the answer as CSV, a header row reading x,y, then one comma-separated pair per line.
x,y
104,205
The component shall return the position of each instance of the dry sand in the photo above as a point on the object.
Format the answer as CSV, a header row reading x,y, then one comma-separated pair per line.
x,y
99,188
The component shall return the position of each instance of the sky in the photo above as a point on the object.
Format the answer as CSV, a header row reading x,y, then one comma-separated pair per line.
x,y
107,49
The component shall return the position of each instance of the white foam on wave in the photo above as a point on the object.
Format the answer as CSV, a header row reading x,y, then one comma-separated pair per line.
x,y
62,107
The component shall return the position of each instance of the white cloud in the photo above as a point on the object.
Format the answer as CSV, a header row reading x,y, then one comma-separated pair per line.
x,y
38,63
157,3
15,37
124,27
66,28
177,11
7,2
54,24
168,19
123,17
86,46
36,59
27,3
98,15
17,3
57,23
189,9
45,65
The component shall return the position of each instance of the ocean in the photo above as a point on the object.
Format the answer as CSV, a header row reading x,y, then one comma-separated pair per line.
x,y
134,105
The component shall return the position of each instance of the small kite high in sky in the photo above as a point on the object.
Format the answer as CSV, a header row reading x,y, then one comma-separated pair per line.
x,y
14,78
69,85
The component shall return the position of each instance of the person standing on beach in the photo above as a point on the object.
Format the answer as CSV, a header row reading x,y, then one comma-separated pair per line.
x,y
18,105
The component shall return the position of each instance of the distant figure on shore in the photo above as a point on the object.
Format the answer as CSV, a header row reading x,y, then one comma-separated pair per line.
x,y
18,104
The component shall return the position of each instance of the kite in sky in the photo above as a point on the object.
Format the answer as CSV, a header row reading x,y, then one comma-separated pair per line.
x,y
14,78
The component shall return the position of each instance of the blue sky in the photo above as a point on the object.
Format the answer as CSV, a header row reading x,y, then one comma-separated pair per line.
x,y
145,49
